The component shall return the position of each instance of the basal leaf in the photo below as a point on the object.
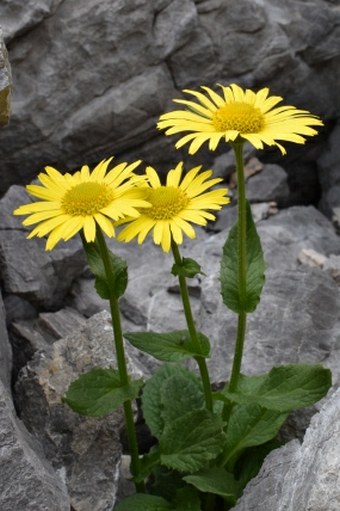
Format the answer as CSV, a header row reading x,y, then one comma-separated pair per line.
x,y
230,282
217,481
170,346
152,400
180,394
284,388
188,268
188,443
250,425
144,502
99,392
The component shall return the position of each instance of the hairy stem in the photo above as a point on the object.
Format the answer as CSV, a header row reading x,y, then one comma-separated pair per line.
x,y
192,330
121,363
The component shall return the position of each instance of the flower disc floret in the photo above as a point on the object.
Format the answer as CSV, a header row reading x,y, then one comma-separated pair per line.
x,y
175,206
166,202
82,201
87,199
237,114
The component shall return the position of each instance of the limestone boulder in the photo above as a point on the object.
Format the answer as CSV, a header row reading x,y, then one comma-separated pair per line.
x,y
301,476
27,480
87,450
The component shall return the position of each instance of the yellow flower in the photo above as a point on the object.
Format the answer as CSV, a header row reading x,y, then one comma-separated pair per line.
x,y
237,113
175,206
71,203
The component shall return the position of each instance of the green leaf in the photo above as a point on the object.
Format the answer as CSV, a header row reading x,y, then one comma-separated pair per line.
x,y
152,401
251,425
217,481
143,502
284,388
99,392
179,395
188,268
169,347
191,441
117,281
230,281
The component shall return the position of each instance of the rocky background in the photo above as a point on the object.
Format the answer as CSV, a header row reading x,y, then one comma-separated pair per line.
x,y
90,80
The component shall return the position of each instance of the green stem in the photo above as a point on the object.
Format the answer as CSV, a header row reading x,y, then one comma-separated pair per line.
x,y
242,260
121,363
192,330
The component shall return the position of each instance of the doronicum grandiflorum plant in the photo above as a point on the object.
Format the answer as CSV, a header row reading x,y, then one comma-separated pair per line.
x,y
209,444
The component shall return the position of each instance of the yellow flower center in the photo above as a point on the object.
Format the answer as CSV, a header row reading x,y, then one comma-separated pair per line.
x,y
240,117
87,199
167,202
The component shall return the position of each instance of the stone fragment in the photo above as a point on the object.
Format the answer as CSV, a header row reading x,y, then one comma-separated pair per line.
x,y
312,258
301,477
27,480
87,449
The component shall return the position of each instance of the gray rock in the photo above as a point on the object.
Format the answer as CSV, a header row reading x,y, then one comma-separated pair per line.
x,y
330,264
5,349
29,336
329,173
127,98
40,277
284,235
122,68
172,27
87,449
301,477
5,83
20,18
18,308
27,481
268,185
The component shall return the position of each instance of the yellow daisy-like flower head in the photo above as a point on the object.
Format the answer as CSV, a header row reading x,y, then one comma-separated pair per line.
x,y
175,206
253,116
71,203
